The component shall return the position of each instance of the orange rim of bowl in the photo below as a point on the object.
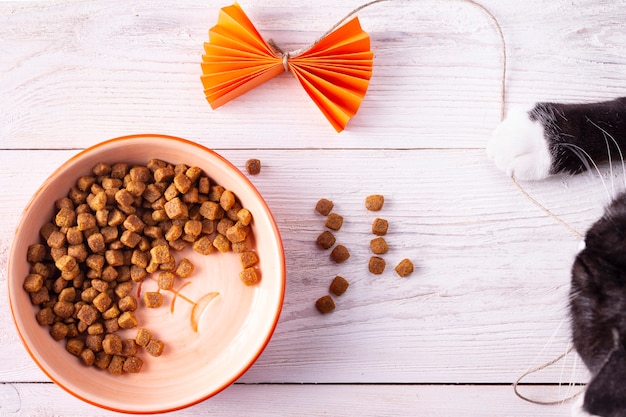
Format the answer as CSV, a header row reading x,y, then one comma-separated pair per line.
x,y
283,280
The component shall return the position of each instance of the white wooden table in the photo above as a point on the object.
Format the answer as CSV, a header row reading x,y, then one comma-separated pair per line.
x,y
488,299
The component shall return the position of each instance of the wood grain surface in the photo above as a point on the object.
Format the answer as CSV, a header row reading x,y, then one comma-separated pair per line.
x,y
488,299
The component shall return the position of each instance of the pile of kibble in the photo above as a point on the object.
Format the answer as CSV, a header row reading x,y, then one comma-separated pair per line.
x,y
118,225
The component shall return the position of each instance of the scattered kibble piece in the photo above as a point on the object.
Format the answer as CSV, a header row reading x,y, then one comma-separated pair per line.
x,y
374,202
155,347
380,226
143,337
325,304
326,240
379,246
377,265
249,276
248,259
334,221
184,268
152,299
132,364
404,268
253,166
324,206
339,254
339,285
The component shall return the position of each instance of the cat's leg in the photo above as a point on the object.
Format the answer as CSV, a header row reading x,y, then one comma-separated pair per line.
x,y
518,147
555,137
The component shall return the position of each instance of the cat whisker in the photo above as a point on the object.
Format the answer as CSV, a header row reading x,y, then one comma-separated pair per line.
x,y
619,150
585,159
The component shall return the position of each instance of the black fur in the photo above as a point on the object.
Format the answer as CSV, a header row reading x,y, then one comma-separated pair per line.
x,y
598,287
582,125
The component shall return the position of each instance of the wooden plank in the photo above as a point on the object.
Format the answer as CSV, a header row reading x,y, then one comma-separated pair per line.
x,y
436,79
488,298
33,400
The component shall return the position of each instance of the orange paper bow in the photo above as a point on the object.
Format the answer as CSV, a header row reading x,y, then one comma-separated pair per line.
x,y
335,71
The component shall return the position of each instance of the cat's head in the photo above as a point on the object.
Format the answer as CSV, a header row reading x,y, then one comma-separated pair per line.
x,y
598,311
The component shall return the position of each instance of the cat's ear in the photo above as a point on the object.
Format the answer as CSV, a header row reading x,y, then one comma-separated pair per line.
x,y
606,393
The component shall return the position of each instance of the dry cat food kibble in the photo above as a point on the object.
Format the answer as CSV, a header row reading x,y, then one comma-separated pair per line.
x,y
339,254
377,265
325,304
253,166
324,206
325,240
118,225
374,202
404,268
380,226
379,246
334,221
339,285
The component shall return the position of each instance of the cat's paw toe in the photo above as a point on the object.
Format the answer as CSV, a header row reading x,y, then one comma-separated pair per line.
x,y
518,147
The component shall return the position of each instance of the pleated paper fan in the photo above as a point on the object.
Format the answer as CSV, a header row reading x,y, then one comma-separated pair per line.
x,y
335,71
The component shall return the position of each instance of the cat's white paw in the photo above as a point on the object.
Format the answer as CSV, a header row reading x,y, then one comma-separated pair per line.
x,y
518,147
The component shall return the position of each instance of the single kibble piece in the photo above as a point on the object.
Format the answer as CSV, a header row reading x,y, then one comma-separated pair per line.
x,y
325,304
334,221
88,357
249,276
248,259
326,240
143,337
152,299
102,360
166,280
404,268
36,253
132,364
339,254
154,347
87,314
379,246
116,366
112,344
160,254
380,226
176,209
127,320
377,265
374,202
339,285
129,347
203,245
227,199
74,346
184,268
33,283
221,243
324,206
253,166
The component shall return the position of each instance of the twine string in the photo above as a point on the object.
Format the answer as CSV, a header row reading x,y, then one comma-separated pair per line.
x,y
537,369
292,54
543,208
286,55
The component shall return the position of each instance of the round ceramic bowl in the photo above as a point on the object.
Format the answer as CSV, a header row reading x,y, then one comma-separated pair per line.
x,y
209,341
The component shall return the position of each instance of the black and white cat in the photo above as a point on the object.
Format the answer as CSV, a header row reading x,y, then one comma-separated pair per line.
x,y
551,138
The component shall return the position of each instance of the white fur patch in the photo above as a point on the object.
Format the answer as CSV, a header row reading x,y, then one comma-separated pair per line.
x,y
518,147
577,409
